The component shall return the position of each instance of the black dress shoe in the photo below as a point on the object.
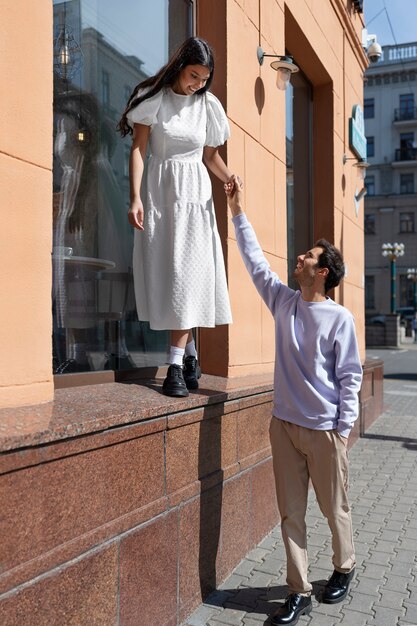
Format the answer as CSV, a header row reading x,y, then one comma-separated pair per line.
x,y
294,606
174,384
337,587
192,372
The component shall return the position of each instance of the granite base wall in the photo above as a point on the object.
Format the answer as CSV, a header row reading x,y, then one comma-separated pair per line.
x,y
132,524
371,396
136,524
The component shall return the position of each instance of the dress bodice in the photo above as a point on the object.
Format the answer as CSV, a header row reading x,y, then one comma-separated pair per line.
x,y
180,131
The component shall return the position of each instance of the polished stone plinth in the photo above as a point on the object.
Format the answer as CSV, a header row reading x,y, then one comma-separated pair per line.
x,y
122,506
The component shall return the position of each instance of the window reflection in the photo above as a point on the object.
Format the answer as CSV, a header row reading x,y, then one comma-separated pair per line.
x,y
298,101
95,321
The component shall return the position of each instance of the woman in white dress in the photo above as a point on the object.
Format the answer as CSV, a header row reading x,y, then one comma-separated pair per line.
x,y
178,266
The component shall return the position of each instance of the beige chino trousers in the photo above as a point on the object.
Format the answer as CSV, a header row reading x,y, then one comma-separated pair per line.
x,y
300,454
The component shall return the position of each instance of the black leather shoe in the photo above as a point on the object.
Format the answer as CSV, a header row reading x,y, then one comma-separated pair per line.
x,y
294,606
174,384
337,587
192,372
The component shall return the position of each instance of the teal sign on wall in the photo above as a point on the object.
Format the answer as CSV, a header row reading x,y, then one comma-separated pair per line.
x,y
357,139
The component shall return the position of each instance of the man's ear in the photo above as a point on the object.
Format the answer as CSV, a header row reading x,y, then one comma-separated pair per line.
x,y
323,271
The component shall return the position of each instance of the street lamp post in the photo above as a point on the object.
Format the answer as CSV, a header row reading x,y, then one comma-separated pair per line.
x,y
412,275
393,251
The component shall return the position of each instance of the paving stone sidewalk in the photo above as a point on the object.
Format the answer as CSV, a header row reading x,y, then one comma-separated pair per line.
x,y
383,494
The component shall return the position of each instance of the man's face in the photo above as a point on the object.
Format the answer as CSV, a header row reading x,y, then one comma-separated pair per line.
x,y
307,267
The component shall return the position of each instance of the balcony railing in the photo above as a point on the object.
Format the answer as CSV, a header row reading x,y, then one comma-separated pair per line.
x,y
405,114
406,154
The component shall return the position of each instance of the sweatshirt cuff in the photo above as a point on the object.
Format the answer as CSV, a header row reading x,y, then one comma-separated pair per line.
x,y
343,430
240,219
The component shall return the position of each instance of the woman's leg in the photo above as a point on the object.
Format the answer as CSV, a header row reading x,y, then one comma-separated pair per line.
x,y
192,370
190,348
174,384
179,338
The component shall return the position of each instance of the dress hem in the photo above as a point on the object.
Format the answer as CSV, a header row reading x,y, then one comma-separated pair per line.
x,y
187,327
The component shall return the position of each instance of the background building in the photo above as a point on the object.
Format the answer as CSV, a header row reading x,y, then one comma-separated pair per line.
x,y
121,505
390,111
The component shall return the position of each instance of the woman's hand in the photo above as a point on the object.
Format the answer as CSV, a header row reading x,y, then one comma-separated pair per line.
x,y
234,183
135,214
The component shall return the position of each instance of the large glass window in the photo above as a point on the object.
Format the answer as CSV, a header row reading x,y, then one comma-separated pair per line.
x,y
370,185
370,146
406,183
407,151
369,108
407,106
369,292
406,222
299,177
101,51
406,291
370,228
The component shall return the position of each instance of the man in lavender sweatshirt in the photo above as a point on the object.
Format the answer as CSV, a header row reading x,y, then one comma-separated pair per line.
x,y
318,375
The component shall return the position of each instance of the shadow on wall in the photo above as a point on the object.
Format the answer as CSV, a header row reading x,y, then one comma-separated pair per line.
x,y
211,478
259,94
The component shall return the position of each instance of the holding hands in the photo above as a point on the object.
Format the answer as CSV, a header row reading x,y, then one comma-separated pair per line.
x,y
233,189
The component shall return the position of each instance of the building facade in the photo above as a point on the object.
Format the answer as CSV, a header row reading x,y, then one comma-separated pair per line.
x,y
390,110
109,489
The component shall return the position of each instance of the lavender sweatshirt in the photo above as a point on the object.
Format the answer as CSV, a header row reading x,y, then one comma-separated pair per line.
x,y
318,372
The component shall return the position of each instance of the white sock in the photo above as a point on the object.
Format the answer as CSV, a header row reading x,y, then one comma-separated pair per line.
x,y
190,349
176,355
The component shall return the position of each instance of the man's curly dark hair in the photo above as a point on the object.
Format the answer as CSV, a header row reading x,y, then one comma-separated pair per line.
x,y
331,258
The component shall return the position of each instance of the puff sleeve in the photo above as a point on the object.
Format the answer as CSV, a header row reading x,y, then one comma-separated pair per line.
x,y
145,112
218,130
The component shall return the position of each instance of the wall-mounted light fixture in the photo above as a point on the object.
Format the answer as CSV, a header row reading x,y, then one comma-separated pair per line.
x,y
284,66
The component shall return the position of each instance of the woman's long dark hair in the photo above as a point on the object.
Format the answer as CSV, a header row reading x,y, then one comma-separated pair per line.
x,y
194,51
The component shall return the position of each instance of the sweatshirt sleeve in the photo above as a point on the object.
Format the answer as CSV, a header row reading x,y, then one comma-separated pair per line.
x,y
265,280
349,375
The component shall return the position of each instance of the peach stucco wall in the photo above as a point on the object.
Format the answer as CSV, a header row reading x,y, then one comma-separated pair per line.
x,y
25,183
324,37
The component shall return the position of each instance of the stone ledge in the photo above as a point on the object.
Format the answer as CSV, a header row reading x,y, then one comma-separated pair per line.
x,y
94,408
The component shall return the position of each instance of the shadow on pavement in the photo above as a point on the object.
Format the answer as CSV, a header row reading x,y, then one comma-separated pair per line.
x,y
408,376
408,442
258,600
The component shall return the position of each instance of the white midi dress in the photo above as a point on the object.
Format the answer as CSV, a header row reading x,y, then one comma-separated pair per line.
x,y
178,265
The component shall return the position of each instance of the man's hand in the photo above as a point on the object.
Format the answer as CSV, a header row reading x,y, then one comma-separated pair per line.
x,y
233,189
343,439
